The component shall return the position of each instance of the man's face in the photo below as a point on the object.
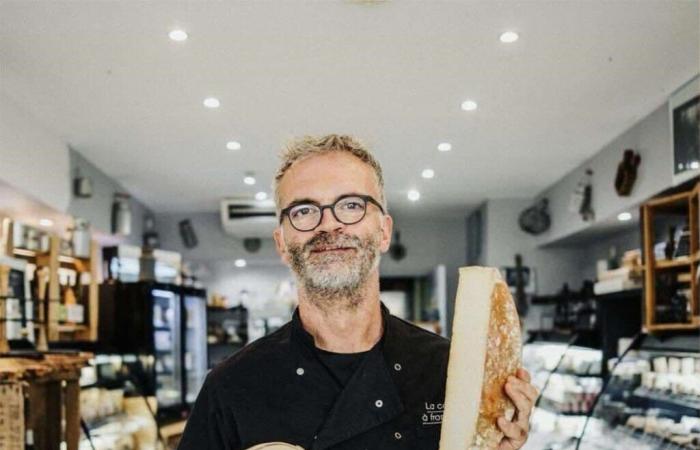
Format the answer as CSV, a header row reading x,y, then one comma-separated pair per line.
x,y
333,258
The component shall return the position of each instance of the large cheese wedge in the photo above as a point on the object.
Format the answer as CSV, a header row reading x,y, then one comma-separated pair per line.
x,y
484,351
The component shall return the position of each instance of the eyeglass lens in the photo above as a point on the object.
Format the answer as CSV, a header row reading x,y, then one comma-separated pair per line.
x,y
348,210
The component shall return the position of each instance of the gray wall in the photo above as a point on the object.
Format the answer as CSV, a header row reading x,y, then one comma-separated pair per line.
x,y
504,238
651,138
98,208
33,159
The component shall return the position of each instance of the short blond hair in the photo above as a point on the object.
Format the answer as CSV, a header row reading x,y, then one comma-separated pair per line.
x,y
304,147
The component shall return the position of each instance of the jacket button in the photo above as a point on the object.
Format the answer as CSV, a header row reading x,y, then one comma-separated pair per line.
x,y
300,371
397,367
397,435
379,403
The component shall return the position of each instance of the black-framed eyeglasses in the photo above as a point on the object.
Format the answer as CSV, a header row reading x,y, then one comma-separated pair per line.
x,y
348,209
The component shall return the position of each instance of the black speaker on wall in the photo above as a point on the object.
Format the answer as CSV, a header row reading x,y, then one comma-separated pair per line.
x,y
189,238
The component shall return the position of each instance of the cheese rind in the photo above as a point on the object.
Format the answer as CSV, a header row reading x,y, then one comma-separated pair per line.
x,y
275,446
485,350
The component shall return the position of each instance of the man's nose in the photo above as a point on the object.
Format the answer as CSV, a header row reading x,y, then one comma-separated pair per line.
x,y
328,222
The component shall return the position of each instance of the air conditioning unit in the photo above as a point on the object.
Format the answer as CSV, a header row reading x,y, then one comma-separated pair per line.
x,y
248,218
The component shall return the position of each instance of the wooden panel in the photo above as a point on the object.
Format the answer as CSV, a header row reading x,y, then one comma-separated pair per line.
x,y
680,199
54,289
683,261
4,292
45,415
72,400
11,416
649,279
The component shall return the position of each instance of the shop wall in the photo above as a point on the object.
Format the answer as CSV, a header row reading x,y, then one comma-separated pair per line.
x,y
98,208
504,239
651,138
32,158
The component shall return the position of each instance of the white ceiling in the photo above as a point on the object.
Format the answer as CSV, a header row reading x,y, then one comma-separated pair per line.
x,y
105,77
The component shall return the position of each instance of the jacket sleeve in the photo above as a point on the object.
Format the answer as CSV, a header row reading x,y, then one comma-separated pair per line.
x,y
210,426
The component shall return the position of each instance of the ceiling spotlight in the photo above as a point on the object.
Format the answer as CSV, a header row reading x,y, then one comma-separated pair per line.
x,y
509,36
413,195
178,35
240,263
444,146
249,180
624,216
428,173
212,102
469,105
233,145
260,196
46,222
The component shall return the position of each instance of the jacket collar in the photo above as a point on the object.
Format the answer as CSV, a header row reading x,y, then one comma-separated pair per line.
x,y
370,397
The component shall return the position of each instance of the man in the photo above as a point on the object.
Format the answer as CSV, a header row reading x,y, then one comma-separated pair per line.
x,y
343,374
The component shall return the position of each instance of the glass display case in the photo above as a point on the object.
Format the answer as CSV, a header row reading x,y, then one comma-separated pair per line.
x,y
195,341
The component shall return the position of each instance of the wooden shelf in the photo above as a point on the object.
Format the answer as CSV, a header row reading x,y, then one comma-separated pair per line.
x,y
683,261
68,328
676,200
686,204
694,324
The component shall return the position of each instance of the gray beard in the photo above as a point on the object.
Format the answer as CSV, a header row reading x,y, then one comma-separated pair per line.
x,y
335,280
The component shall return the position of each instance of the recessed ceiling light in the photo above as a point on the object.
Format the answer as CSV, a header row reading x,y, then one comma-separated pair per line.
x,y
694,165
413,195
624,216
469,105
260,196
46,222
211,102
233,145
240,263
249,179
178,35
444,146
509,36
428,173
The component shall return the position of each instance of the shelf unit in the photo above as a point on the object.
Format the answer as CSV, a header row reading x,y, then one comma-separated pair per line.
x,y
50,329
678,204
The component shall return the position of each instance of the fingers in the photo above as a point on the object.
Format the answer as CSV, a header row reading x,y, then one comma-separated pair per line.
x,y
522,402
514,432
523,375
524,387
523,395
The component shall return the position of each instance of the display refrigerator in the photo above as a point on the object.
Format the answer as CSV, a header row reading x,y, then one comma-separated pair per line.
x,y
194,303
163,327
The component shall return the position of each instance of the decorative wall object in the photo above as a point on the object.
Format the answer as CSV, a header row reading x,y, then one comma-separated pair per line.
x,y
252,245
150,236
189,238
397,251
536,219
627,172
121,214
82,185
582,198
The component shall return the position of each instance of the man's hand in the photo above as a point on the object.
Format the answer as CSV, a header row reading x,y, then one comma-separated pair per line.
x,y
523,395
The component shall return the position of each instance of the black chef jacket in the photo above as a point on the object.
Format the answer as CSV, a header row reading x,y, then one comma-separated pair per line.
x,y
277,389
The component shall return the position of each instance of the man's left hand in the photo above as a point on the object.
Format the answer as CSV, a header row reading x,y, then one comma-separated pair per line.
x,y
523,395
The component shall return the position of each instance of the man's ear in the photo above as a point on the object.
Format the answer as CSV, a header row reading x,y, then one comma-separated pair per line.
x,y
387,230
278,236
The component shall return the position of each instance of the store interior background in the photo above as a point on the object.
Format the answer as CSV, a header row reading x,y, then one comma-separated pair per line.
x,y
98,89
